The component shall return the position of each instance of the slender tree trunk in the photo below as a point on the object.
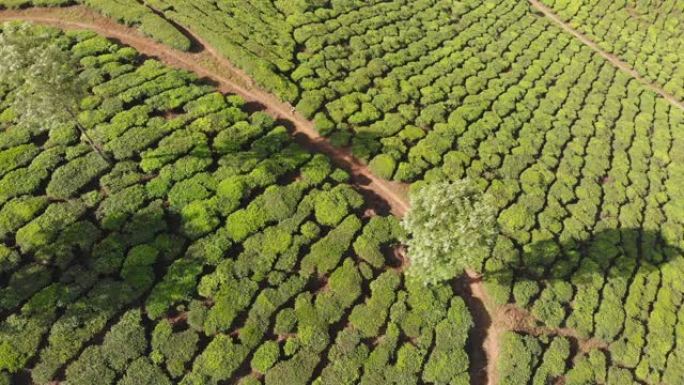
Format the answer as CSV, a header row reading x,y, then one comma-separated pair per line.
x,y
94,145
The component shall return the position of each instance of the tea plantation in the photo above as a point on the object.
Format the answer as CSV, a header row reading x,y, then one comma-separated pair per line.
x,y
231,255
649,35
212,249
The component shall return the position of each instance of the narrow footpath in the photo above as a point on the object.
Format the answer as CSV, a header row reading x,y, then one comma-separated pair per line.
x,y
617,62
485,336
205,61
209,64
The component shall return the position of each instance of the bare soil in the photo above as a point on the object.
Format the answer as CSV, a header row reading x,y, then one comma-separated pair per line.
x,y
204,60
488,329
209,64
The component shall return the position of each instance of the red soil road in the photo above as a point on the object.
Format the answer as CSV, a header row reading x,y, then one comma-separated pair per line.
x,y
208,63
489,319
617,62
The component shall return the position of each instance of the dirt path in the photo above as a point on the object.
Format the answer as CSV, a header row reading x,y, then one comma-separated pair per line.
x,y
617,62
208,63
487,331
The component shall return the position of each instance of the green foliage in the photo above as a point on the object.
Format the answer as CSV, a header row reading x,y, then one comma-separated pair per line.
x,y
332,206
383,165
125,341
369,317
176,349
90,368
20,211
9,258
448,362
43,230
218,362
519,355
16,157
265,356
144,372
568,148
48,84
553,362
134,13
326,253
378,232
117,208
296,370
451,226
70,178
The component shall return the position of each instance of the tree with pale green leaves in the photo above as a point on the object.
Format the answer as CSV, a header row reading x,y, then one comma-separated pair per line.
x,y
450,227
46,79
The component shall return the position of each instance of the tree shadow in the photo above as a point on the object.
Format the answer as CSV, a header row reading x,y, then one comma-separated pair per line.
x,y
618,251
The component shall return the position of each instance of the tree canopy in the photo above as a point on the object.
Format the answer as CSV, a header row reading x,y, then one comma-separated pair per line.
x,y
48,86
450,227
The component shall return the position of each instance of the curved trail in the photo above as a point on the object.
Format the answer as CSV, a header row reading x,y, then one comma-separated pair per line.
x,y
617,62
487,335
208,63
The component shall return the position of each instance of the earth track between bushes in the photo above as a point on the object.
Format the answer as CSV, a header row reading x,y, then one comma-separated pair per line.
x,y
614,60
205,61
485,334
227,78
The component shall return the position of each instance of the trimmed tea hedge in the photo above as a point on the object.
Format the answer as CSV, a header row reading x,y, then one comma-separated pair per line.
x,y
211,249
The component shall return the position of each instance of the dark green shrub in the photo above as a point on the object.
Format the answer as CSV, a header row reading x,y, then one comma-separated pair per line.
x,y
346,357
90,368
330,207
589,368
217,363
285,321
199,218
234,138
144,372
368,318
115,209
553,362
18,212
383,166
24,282
137,269
122,175
16,157
316,170
448,361
45,228
296,370
176,349
177,285
326,253
70,178
9,258
230,192
125,342
378,231
266,356
519,355
232,296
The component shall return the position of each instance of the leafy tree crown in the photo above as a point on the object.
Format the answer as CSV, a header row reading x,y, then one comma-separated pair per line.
x,y
450,227
46,78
